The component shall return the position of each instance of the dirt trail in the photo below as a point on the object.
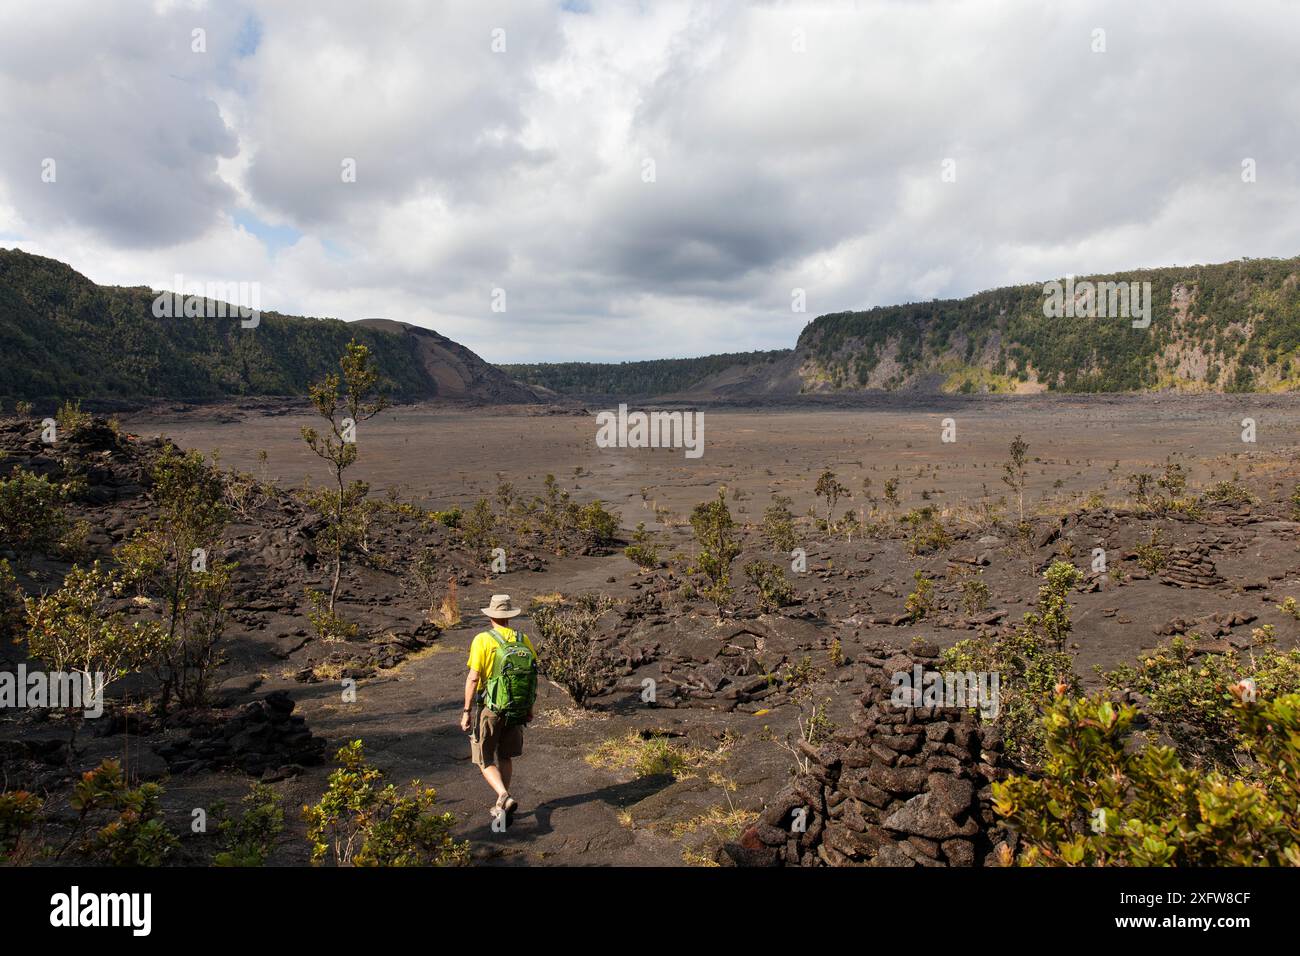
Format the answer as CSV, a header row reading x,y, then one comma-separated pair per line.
x,y
569,810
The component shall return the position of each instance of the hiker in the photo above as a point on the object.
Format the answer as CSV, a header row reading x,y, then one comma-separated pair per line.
x,y
502,682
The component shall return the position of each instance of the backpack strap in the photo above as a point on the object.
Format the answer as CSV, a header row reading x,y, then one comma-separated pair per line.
x,y
496,659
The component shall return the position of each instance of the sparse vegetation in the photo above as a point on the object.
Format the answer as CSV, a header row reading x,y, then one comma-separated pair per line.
x,y
1032,662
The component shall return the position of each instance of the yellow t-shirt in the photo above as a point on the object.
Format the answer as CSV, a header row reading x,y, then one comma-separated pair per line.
x,y
484,649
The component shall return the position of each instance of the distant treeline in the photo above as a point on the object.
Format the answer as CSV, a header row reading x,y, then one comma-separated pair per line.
x,y
651,377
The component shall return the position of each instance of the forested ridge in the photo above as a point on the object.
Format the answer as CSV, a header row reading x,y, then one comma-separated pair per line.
x,y
66,337
1233,326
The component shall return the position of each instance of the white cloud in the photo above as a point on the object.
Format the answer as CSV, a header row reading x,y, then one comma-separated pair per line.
x,y
775,168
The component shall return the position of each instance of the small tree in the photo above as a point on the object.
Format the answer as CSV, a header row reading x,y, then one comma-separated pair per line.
x,y
172,558
344,402
891,493
479,529
829,489
715,535
360,821
427,574
1015,473
568,652
72,630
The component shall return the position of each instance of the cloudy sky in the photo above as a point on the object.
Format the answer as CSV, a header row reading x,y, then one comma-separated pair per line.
x,y
646,179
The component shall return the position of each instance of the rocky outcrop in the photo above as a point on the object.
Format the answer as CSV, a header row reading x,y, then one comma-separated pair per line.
x,y
905,786
260,737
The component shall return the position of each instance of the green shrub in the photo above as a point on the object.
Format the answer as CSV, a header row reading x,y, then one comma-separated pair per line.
x,y
479,529
20,812
11,605
1102,801
328,624
1152,556
926,532
920,603
600,526
774,591
32,517
715,537
125,824
450,518
974,594
645,555
360,821
70,419
1230,493
1189,695
778,525
247,840
73,631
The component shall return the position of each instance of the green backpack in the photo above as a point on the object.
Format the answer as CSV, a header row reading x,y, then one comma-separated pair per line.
x,y
512,685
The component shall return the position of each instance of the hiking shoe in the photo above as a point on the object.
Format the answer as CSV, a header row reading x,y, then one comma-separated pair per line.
x,y
510,806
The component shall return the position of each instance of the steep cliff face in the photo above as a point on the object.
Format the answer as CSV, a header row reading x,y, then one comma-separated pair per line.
x,y
454,371
1228,327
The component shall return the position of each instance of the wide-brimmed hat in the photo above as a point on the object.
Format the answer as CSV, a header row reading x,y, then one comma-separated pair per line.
x,y
501,607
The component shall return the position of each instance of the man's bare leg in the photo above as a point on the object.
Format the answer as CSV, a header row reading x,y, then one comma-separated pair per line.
x,y
494,777
506,767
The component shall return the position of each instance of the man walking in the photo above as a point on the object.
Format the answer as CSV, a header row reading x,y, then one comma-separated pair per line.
x,y
503,682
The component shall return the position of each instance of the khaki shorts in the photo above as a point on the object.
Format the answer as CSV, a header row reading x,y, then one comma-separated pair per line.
x,y
495,739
